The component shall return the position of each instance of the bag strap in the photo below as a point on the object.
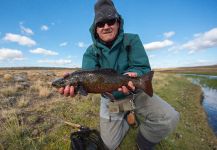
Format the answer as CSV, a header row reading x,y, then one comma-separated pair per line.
x,y
127,46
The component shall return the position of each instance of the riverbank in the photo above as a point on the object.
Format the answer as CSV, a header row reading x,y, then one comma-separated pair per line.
x,y
193,131
208,85
30,118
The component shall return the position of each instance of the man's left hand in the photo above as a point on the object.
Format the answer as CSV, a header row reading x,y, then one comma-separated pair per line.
x,y
130,86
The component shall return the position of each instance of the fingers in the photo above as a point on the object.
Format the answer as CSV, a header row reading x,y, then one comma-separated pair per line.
x,y
131,85
67,91
72,91
124,89
131,74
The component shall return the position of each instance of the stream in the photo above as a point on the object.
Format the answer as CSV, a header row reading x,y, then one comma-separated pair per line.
x,y
208,85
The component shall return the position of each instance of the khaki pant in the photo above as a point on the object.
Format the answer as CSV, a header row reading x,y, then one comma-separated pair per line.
x,y
157,119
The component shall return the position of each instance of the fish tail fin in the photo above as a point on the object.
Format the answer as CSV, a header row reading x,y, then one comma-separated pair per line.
x,y
146,83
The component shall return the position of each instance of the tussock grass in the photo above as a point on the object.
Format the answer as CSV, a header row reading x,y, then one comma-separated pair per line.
x,y
7,112
43,88
8,77
23,102
44,92
9,91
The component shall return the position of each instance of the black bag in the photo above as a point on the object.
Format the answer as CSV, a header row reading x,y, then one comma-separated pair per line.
x,y
87,139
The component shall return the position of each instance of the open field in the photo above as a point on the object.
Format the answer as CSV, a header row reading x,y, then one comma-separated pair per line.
x,y
32,112
207,70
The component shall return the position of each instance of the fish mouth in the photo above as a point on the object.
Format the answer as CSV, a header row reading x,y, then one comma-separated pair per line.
x,y
54,84
57,83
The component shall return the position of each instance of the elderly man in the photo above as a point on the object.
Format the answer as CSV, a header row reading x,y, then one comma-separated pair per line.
x,y
124,52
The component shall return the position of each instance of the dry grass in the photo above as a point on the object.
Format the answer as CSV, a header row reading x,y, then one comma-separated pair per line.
x,y
9,91
209,70
44,92
43,88
23,102
8,77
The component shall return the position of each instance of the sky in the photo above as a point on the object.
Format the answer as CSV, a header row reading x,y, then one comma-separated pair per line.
x,y
55,33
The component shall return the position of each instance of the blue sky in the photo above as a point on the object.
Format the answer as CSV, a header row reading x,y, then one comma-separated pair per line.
x,y
55,33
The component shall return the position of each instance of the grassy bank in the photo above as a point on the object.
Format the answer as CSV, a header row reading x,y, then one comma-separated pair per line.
x,y
193,131
35,120
211,83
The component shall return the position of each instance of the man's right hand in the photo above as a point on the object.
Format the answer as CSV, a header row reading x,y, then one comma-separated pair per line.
x,y
67,90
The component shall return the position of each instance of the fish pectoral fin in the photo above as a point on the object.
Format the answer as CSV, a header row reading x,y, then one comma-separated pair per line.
x,y
82,91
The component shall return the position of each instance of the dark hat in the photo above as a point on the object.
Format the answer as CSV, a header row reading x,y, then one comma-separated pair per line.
x,y
105,10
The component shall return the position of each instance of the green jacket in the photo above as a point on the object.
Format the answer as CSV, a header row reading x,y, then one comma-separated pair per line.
x,y
127,54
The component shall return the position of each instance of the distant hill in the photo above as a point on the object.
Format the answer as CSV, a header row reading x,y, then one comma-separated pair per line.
x,y
212,70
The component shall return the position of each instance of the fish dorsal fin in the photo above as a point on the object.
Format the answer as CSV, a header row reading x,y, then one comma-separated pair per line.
x,y
107,70
75,72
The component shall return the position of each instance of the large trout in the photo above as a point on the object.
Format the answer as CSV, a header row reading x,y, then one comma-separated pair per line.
x,y
103,80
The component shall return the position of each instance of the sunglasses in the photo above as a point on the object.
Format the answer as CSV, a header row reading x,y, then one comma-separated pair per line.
x,y
108,22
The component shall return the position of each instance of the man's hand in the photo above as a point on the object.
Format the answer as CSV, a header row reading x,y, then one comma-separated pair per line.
x,y
67,90
130,86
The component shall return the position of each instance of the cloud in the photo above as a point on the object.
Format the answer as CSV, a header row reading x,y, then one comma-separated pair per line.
x,y
10,54
151,56
56,62
25,30
169,34
82,45
44,28
158,44
21,40
202,41
43,51
63,44
199,62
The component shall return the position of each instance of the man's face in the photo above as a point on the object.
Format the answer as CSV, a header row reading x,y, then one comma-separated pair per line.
x,y
108,30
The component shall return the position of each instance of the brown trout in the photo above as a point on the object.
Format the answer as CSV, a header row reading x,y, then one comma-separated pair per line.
x,y
103,80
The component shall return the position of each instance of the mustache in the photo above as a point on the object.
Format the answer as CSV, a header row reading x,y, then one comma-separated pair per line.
x,y
107,31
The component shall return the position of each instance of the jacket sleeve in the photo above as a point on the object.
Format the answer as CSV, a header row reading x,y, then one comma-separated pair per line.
x,y
138,59
90,60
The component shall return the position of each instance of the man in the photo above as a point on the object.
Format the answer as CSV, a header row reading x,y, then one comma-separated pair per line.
x,y
112,48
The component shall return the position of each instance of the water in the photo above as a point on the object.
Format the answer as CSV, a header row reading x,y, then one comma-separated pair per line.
x,y
209,98
210,105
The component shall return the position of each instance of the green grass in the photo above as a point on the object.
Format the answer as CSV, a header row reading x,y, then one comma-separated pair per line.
x,y
199,73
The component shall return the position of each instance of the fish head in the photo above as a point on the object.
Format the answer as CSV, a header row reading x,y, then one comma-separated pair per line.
x,y
59,83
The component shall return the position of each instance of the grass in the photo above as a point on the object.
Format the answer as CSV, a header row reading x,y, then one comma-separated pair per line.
x,y
204,70
36,122
15,135
9,91
211,83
